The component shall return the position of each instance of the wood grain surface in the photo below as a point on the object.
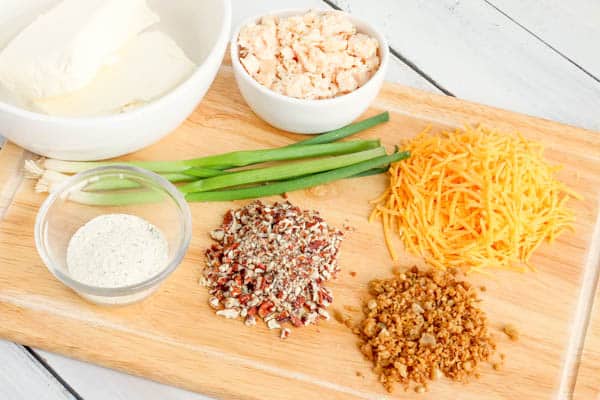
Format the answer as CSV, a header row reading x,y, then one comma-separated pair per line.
x,y
548,21
477,53
93,382
38,383
174,337
588,376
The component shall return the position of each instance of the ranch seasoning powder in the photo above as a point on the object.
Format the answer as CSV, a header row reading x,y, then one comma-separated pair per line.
x,y
114,250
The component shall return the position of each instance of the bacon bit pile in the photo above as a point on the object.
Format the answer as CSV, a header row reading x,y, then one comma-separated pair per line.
x,y
316,55
511,331
270,261
422,324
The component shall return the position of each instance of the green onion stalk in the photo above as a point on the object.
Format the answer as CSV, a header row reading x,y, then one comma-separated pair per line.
x,y
212,177
363,168
51,172
280,172
208,166
345,131
305,182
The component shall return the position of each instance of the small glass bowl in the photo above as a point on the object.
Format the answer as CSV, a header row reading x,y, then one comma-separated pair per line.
x,y
65,211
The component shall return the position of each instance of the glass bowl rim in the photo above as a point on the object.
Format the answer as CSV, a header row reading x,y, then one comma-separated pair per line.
x,y
151,177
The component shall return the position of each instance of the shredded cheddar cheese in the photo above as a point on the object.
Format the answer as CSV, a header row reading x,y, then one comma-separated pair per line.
x,y
473,199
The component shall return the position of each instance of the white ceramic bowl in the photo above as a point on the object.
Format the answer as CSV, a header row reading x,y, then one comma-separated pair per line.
x,y
200,28
308,116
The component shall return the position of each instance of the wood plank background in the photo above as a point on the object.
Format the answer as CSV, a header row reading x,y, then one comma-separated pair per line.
x,y
569,31
24,377
473,51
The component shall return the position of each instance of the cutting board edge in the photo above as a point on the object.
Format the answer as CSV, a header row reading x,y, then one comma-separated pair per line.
x,y
469,108
589,300
237,366
11,174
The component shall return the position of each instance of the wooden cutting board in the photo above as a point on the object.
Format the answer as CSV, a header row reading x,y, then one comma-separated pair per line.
x,y
174,337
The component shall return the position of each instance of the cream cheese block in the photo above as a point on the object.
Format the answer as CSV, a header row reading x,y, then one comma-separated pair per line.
x,y
146,68
63,49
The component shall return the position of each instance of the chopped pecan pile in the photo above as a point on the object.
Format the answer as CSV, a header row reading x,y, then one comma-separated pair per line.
x,y
422,324
270,262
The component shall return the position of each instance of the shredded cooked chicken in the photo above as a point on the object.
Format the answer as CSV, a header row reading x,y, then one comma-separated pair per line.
x,y
310,56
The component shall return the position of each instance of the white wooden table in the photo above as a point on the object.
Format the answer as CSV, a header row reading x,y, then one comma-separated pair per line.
x,y
538,57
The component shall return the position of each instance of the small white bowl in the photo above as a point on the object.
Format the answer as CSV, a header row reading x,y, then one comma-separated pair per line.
x,y
200,28
308,116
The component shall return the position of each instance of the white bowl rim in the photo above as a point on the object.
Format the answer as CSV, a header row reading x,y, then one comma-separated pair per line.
x,y
170,267
222,39
235,60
